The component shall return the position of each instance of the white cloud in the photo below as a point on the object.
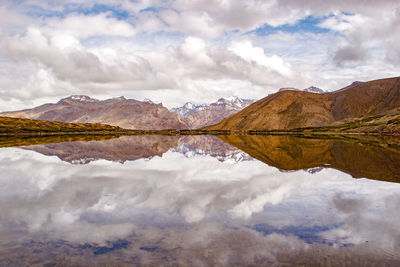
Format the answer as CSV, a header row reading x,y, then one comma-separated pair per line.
x,y
82,26
248,52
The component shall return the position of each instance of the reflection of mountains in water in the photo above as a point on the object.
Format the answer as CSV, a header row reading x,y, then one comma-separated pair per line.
x,y
368,157
124,148
129,148
201,145
372,158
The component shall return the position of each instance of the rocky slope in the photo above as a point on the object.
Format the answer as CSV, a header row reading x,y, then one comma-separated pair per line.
x,y
122,112
292,109
197,116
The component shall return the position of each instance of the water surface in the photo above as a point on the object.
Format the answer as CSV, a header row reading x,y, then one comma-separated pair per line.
x,y
199,201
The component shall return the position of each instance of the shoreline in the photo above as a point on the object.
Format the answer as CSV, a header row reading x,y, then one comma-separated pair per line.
x,y
193,132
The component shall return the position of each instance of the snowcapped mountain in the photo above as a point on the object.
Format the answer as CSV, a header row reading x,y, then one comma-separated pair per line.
x,y
311,89
197,116
186,109
80,98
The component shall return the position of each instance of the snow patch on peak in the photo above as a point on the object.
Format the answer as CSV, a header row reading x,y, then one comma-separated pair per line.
x,y
119,98
234,99
80,98
231,103
189,105
313,89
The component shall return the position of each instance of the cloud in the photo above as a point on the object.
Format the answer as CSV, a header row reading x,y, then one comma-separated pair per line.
x,y
65,60
248,52
69,61
361,219
101,24
350,53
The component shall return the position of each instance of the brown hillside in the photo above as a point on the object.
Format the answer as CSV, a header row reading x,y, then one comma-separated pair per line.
x,y
17,125
298,109
125,113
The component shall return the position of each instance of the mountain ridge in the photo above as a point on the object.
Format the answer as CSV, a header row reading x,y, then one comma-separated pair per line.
x,y
292,109
119,111
197,116
310,89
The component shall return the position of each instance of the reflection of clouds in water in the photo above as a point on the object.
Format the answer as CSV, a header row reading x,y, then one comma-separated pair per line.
x,y
369,219
105,201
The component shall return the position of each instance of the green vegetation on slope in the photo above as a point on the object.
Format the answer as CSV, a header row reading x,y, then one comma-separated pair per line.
x,y
380,124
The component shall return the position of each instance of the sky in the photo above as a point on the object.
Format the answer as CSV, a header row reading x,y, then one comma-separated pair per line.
x,y
190,50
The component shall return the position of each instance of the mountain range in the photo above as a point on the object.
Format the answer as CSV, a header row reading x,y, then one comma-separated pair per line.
x,y
372,106
133,114
197,116
377,102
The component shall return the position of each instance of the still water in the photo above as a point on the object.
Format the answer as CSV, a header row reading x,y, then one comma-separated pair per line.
x,y
200,201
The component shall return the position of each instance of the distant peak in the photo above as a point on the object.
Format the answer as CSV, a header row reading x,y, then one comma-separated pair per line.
x,y
288,89
230,99
233,98
148,100
79,98
353,84
189,105
356,83
313,89
119,98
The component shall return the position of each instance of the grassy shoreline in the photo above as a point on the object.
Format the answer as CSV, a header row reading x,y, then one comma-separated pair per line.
x,y
194,132
377,126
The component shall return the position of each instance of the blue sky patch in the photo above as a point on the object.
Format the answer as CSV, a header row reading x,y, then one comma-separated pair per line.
x,y
308,24
114,10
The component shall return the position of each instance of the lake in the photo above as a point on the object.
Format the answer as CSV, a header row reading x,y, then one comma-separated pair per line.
x,y
200,201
